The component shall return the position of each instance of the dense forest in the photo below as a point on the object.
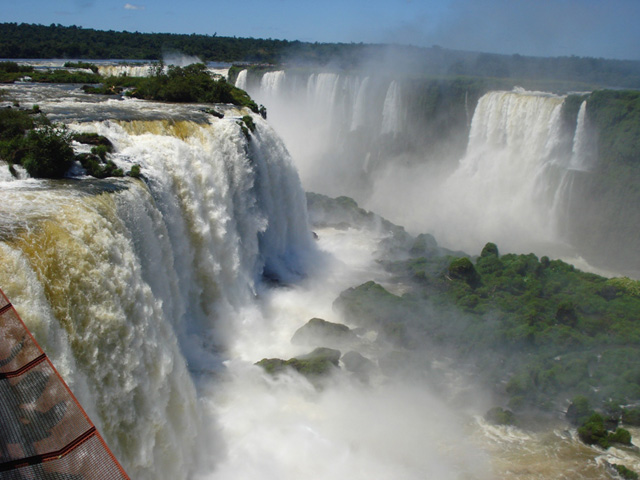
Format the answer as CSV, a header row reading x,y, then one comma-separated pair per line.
x,y
57,41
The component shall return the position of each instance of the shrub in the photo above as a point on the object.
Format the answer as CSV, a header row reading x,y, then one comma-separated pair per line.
x,y
49,153
621,436
624,472
592,432
135,171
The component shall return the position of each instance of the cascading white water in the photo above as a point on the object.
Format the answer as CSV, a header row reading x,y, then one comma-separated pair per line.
x,y
132,289
584,147
272,82
145,70
128,70
316,115
360,117
392,110
74,272
241,80
507,188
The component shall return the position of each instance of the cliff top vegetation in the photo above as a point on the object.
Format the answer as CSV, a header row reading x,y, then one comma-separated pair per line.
x,y
57,41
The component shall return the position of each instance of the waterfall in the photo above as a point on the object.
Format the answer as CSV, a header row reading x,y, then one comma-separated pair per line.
x,y
584,148
241,80
392,110
359,117
317,114
505,185
131,287
272,82
128,70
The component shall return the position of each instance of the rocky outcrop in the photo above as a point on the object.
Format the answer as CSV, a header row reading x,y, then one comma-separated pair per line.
x,y
319,362
320,332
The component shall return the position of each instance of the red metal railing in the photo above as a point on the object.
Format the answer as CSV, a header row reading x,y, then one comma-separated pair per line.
x,y
44,432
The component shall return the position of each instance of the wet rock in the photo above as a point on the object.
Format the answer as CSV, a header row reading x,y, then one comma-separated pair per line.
x,y
320,332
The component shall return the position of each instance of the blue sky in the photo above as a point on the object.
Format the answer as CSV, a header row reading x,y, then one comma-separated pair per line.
x,y
595,28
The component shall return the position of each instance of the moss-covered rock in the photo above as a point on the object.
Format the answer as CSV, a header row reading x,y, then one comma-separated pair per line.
x,y
500,416
462,269
424,245
370,305
93,139
490,249
320,332
318,363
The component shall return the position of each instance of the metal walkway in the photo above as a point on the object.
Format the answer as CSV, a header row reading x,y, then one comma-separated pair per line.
x,y
44,432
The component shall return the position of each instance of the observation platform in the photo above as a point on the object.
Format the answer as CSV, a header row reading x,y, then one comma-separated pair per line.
x,y
44,432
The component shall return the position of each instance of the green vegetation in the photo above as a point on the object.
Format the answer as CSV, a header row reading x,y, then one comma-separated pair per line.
x,y
326,333
57,41
86,65
247,125
624,472
11,72
616,115
190,84
539,330
318,363
500,416
43,149
134,172
28,138
593,427
47,152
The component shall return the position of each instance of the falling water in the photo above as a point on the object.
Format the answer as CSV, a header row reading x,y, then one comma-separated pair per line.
x,y
131,287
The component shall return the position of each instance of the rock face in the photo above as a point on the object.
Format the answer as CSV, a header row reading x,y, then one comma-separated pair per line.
x,y
320,332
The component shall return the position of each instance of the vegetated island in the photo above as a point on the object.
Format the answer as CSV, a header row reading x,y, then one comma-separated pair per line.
x,y
28,138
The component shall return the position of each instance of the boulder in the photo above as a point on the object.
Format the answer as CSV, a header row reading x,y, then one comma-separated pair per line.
x,y
318,363
320,332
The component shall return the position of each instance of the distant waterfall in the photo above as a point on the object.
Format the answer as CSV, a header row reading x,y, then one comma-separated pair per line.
x,y
241,80
317,113
125,284
392,110
129,70
584,144
359,117
271,83
507,185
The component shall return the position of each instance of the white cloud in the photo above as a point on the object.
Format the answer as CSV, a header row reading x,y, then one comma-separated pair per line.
x,y
128,6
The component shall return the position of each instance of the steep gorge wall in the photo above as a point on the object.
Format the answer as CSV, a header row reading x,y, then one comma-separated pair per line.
x,y
603,215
